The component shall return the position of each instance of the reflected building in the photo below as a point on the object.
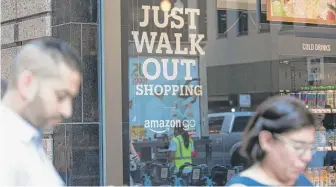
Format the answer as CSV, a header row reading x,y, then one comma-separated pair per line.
x,y
262,57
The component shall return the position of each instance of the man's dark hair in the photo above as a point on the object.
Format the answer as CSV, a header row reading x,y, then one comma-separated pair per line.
x,y
30,58
3,87
55,47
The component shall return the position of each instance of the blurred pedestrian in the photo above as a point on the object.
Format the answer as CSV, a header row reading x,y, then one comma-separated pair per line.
x,y
278,141
45,78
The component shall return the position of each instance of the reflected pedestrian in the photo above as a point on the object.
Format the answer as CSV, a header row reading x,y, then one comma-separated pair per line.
x,y
181,149
44,81
278,141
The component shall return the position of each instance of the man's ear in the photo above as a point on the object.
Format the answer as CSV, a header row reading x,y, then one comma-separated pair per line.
x,y
27,85
266,140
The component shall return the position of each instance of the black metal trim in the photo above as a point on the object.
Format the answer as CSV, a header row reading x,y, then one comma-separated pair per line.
x,y
102,162
125,8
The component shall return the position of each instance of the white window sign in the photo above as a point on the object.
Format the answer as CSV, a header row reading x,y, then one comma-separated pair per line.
x,y
245,100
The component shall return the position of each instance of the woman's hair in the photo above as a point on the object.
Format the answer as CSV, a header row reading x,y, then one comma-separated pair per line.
x,y
180,130
278,114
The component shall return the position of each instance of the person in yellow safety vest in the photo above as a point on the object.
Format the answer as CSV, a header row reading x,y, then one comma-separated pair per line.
x,y
181,149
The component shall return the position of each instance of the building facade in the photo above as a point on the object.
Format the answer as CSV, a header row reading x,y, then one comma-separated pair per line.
x,y
244,40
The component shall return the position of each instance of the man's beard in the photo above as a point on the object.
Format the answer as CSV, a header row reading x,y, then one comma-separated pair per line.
x,y
35,114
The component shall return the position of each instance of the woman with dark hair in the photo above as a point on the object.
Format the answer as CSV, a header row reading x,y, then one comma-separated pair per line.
x,y
181,148
278,142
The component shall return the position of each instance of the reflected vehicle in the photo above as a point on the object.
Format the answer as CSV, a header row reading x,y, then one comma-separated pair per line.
x,y
225,131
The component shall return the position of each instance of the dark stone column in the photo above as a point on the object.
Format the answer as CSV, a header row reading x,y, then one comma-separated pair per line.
x,y
76,142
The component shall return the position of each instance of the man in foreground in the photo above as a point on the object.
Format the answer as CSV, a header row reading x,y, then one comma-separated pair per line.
x,y
44,80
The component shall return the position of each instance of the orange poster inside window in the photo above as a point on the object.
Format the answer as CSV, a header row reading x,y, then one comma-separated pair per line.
x,y
302,11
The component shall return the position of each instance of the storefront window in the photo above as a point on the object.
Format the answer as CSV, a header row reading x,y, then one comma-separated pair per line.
x,y
221,17
264,23
243,22
207,65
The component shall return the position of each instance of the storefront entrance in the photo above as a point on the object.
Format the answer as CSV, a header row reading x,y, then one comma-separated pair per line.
x,y
206,66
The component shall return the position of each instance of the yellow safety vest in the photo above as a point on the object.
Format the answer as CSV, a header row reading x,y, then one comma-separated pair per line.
x,y
182,154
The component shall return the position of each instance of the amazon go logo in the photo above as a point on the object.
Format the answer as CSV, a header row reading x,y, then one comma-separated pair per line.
x,y
163,126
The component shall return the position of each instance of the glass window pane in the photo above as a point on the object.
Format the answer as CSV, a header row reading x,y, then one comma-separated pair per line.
x,y
215,124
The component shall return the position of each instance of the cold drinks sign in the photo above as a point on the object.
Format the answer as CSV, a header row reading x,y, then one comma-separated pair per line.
x,y
168,91
316,47
305,46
